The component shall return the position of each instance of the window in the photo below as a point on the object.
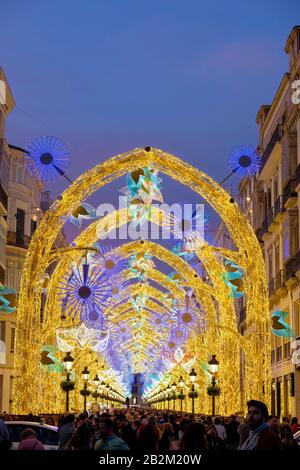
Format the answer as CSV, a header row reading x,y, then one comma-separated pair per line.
x,y
2,343
294,237
277,258
12,339
279,354
290,235
4,173
270,264
287,350
273,356
20,227
20,175
275,189
296,319
32,226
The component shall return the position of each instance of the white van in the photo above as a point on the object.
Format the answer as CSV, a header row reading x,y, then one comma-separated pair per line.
x,y
47,435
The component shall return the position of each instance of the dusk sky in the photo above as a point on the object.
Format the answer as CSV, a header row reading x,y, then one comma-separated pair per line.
x,y
108,76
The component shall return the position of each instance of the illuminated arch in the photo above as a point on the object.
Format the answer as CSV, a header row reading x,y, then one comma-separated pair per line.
x,y
227,343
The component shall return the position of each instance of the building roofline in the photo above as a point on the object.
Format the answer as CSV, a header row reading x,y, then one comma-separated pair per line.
x,y
294,30
283,83
10,97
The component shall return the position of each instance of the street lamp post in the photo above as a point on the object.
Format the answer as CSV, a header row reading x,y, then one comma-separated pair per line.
x,y
174,394
107,389
85,375
193,376
181,384
213,366
96,381
168,390
68,364
102,387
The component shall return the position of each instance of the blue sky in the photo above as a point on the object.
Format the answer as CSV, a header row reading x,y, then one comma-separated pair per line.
x,y
106,76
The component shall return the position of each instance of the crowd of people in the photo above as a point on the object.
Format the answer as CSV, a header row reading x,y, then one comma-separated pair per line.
x,y
149,431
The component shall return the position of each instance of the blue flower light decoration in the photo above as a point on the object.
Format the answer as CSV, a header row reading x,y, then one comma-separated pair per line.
x,y
47,158
8,299
244,161
279,326
107,261
84,291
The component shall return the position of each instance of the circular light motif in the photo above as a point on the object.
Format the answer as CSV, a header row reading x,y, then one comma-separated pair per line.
x,y
244,161
84,290
47,158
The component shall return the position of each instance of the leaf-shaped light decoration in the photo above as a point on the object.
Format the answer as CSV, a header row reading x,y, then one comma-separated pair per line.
x,y
140,264
139,301
8,299
279,326
82,212
180,249
49,361
189,364
143,187
176,278
233,278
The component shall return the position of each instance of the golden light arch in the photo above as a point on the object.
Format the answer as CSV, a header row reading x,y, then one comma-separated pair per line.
x,y
256,339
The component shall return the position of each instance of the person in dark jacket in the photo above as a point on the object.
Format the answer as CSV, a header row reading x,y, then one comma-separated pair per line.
x,y
148,437
127,433
233,437
261,437
166,438
288,442
213,440
193,439
66,431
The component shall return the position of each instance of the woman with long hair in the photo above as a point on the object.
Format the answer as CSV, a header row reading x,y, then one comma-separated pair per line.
x,y
193,439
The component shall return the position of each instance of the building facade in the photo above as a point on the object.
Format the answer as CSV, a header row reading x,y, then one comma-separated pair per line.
x,y
21,201
271,201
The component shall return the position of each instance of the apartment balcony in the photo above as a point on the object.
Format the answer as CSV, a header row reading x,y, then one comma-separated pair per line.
x,y
3,198
279,209
272,287
277,284
276,137
269,224
12,240
290,195
259,234
280,281
290,271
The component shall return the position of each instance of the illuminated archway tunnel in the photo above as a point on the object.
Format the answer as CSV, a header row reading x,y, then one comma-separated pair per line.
x,y
147,330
